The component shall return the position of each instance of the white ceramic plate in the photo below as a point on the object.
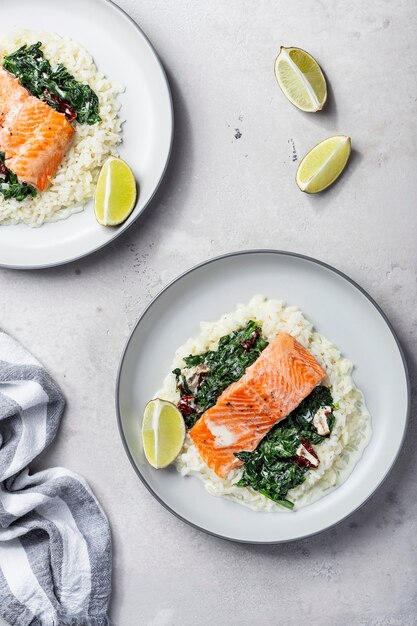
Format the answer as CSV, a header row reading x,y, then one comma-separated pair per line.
x,y
123,53
339,309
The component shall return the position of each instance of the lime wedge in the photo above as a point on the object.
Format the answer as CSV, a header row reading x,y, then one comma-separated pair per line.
x,y
301,79
323,164
163,432
115,193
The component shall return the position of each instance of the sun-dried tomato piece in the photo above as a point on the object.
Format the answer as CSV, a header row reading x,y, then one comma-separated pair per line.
x,y
3,171
61,105
305,455
185,406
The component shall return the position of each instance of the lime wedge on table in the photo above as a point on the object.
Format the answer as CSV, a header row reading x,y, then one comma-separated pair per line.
x,y
301,79
163,432
323,164
115,193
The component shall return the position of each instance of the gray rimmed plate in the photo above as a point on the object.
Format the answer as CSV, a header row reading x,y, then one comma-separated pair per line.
x,y
340,310
122,52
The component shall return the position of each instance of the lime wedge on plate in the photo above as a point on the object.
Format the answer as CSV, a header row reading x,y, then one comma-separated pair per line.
x,y
115,193
301,79
323,164
163,432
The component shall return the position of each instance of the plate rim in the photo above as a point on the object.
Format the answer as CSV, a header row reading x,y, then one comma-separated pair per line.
x,y
124,227
284,253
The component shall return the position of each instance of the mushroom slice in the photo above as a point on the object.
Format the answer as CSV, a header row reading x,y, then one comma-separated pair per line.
x,y
305,455
194,375
321,420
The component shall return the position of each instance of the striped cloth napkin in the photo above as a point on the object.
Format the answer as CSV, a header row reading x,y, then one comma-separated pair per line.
x,y
55,545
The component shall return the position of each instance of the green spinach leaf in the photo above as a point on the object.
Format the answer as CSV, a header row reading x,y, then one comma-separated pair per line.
x,y
270,468
302,416
273,478
235,352
10,188
35,73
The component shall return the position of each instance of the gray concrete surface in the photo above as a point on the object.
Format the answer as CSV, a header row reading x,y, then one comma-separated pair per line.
x,y
230,186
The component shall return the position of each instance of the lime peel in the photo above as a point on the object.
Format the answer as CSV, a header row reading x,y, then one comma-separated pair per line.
x,y
163,432
307,85
115,194
303,83
323,164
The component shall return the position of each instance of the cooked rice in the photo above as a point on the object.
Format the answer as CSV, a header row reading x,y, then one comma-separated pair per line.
x,y
76,177
352,429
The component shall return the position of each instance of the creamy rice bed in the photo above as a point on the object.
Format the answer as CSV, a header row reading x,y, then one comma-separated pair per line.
x,y
75,180
352,429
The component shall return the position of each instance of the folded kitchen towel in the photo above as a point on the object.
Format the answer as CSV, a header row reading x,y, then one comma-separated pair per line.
x,y
55,545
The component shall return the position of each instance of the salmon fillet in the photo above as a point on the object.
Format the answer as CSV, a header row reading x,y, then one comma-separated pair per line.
x,y
12,96
33,136
283,375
